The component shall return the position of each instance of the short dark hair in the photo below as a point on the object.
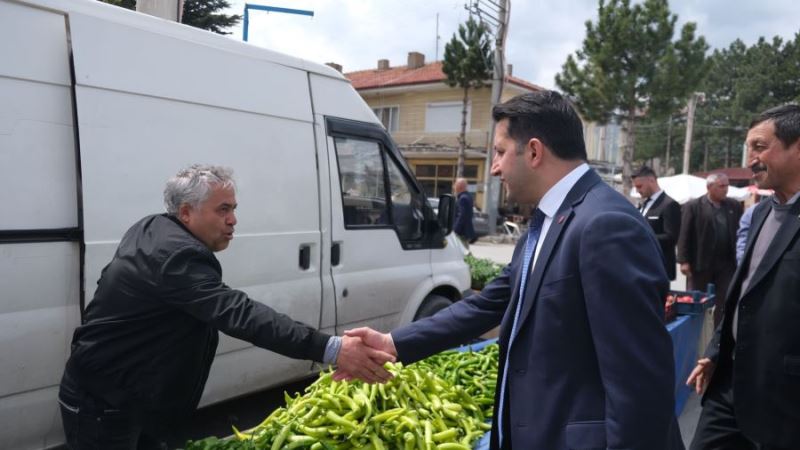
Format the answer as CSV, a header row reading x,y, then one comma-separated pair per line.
x,y
787,122
644,171
547,116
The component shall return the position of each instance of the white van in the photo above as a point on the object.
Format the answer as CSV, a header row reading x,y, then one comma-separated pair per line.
x,y
100,105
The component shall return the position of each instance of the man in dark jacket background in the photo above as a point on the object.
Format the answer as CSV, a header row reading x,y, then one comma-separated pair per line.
x,y
662,213
141,358
463,225
707,244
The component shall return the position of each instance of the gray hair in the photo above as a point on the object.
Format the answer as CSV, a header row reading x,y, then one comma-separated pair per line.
x,y
714,177
192,185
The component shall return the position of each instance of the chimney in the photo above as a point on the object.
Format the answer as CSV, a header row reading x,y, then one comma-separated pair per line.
x,y
509,69
415,60
383,64
333,65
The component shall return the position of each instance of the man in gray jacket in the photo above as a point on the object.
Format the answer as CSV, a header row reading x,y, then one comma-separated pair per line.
x,y
141,357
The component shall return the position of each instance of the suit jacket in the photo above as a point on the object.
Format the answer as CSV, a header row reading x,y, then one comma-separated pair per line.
x,y
696,241
766,381
664,216
591,365
463,221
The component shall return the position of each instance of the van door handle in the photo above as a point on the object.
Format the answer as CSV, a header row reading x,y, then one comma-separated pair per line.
x,y
336,253
305,256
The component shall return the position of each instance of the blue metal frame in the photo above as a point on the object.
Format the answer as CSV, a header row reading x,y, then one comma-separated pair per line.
x,y
248,7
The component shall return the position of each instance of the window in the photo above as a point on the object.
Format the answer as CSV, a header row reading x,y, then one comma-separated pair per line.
x,y
445,117
361,175
389,117
362,165
437,179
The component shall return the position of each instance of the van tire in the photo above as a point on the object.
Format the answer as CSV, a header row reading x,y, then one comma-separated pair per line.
x,y
431,305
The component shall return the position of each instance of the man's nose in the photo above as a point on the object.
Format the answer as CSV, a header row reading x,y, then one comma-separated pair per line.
x,y
495,170
231,219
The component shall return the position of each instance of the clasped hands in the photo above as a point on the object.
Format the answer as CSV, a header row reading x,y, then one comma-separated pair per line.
x,y
363,353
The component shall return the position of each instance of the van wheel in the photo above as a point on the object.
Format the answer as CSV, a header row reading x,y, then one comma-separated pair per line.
x,y
432,304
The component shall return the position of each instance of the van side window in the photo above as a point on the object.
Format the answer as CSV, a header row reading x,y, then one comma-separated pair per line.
x,y
362,182
406,207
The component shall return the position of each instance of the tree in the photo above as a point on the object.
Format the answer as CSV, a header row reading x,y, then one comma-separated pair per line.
x,y
629,67
204,14
467,64
197,13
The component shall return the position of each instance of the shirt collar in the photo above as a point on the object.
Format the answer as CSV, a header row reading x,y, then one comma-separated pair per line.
x,y
655,196
789,202
553,198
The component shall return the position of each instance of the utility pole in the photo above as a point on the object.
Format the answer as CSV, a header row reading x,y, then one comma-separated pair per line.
x,y
687,146
165,9
495,14
669,145
436,58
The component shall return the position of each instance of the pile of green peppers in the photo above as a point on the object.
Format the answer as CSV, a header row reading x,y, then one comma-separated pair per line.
x,y
440,403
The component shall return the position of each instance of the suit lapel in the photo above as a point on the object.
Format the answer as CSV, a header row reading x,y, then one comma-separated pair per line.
x,y
656,204
559,222
777,247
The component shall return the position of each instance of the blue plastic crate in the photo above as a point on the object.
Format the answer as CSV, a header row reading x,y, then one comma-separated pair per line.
x,y
700,301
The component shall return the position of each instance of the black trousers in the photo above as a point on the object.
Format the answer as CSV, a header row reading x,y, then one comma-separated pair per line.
x,y
717,428
93,424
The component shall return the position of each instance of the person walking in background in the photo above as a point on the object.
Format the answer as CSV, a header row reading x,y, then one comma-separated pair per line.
x,y
585,359
707,242
662,213
752,365
463,226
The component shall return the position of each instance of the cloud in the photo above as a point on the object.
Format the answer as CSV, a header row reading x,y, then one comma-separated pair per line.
x,y
541,33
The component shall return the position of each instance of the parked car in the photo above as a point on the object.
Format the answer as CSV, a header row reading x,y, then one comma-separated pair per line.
x,y
480,220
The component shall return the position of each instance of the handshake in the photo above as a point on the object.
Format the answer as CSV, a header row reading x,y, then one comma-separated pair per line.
x,y
362,355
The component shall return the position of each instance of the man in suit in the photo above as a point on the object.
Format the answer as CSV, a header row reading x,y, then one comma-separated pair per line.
x,y
752,366
662,213
585,359
462,224
707,242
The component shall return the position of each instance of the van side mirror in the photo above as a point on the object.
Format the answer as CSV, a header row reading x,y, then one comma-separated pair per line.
x,y
447,211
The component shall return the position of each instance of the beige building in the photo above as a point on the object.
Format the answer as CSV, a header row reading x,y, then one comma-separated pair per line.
x,y
423,115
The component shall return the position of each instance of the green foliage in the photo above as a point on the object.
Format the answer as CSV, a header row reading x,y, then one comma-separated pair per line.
x,y
197,13
205,14
467,63
482,271
629,66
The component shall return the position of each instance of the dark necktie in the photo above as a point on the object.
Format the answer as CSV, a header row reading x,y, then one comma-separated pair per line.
x,y
643,204
534,230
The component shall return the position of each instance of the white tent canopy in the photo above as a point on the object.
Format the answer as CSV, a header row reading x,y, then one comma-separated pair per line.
x,y
685,187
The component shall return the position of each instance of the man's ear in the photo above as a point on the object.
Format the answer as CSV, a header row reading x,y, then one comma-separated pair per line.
x,y
536,150
184,213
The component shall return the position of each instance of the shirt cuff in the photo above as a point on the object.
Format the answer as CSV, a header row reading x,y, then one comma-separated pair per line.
x,y
332,350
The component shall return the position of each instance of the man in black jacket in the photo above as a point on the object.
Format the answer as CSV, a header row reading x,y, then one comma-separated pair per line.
x,y
662,213
753,361
141,357
707,243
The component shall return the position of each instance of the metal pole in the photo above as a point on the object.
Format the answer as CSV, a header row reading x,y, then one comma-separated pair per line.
x,y
687,145
491,198
246,22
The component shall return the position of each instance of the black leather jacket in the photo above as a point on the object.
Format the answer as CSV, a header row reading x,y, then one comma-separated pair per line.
x,y
149,335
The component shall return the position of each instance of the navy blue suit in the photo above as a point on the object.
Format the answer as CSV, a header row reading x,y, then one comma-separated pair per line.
x,y
592,365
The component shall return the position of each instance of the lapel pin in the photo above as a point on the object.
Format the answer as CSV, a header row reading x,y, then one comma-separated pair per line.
x,y
561,219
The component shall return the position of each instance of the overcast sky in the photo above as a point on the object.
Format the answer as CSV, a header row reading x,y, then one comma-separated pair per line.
x,y
357,33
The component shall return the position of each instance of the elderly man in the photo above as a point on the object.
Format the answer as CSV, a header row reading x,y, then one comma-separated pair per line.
x,y
462,224
141,357
662,213
707,243
752,366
